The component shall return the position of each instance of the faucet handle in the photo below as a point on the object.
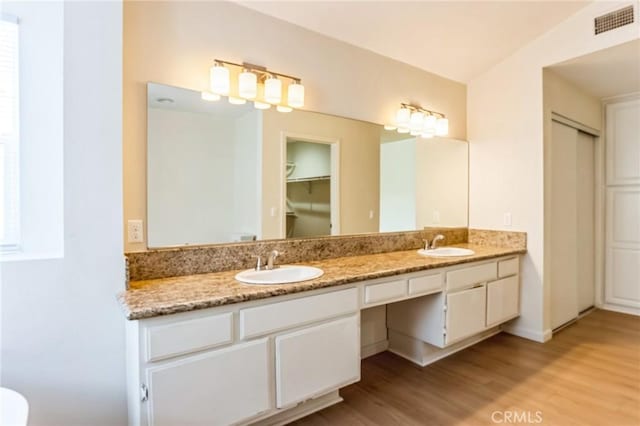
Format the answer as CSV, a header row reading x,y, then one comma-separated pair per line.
x,y
426,244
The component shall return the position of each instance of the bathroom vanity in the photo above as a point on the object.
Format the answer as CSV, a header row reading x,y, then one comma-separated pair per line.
x,y
230,353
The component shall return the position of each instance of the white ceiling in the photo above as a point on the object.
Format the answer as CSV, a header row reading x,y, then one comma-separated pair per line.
x,y
455,39
610,72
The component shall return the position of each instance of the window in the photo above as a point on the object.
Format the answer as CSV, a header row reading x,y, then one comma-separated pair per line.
x,y
9,135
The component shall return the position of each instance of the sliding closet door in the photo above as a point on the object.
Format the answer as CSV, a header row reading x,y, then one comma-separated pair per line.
x,y
586,184
572,223
564,259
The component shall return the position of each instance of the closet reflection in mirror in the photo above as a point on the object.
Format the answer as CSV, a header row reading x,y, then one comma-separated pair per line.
x,y
220,173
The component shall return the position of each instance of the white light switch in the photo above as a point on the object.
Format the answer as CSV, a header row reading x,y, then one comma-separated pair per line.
x,y
135,232
273,211
507,219
370,214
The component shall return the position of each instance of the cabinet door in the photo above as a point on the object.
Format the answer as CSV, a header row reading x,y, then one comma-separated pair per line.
x,y
315,360
465,313
214,388
502,300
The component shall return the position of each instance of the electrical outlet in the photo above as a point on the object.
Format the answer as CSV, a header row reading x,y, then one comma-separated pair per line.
x,y
507,219
370,214
436,216
135,232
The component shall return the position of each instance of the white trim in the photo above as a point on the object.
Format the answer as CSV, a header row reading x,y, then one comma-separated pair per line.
x,y
576,125
621,309
527,333
373,348
335,178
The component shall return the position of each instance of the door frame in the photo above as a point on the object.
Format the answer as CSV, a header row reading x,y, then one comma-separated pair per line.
x,y
334,144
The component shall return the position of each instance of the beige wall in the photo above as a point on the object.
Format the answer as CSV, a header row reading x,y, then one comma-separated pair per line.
x,y
506,141
176,42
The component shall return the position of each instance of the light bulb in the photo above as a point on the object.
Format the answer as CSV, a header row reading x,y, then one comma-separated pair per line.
x,y
402,117
247,85
219,79
261,105
389,127
442,127
403,130
416,121
295,95
283,108
237,101
208,96
272,90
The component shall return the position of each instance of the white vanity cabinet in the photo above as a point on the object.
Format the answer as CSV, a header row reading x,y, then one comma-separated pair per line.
x,y
218,387
477,297
241,363
312,361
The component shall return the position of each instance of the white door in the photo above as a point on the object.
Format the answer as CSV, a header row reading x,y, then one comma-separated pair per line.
x,y
316,360
465,315
572,223
622,257
214,388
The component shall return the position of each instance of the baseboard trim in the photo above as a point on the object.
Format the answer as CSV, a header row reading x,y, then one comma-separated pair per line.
x,y
300,411
373,348
621,309
527,333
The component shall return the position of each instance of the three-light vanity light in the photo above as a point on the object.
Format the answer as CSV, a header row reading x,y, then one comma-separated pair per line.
x,y
418,121
256,84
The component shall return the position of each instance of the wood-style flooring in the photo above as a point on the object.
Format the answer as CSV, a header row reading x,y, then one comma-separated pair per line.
x,y
588,374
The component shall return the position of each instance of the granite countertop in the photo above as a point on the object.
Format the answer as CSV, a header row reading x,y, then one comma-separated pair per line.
x,y
151,298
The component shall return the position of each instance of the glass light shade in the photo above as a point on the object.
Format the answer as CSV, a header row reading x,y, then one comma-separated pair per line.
x,y
295,95
403,130
220,80
272,90
402,117
237,101
417,121
429,124
442,127
283,108
208,96
389,127
427,135
261,105
247,85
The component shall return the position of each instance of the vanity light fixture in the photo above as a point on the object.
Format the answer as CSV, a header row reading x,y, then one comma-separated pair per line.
x,y
258,84
419,121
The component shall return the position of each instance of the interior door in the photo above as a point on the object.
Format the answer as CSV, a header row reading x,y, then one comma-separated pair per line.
x,y
572,223
586,184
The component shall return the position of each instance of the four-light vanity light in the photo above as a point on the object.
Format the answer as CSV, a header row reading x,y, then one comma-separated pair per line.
x,y
418,121
256,84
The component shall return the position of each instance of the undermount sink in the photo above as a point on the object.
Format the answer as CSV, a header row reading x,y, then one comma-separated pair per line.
x,y
446,252
284,274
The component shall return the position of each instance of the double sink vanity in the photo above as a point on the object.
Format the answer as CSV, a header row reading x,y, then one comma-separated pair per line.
x,y
207,348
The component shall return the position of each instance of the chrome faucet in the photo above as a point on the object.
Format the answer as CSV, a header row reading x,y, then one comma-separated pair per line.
x,y
272,259
434,243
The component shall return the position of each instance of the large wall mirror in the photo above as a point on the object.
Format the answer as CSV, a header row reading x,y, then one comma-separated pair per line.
x,y
220,173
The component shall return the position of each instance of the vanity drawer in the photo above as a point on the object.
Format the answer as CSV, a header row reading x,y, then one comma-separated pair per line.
x,y
508,267
461,278
383,292
266,319
426,284
167,340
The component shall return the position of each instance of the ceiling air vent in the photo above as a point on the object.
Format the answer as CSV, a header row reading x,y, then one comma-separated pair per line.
x,y
615,19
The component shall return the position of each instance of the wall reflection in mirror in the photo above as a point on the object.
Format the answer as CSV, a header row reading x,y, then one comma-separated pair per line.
x,y
220,173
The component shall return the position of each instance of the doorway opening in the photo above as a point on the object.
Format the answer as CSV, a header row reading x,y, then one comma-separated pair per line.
x,y
311,190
